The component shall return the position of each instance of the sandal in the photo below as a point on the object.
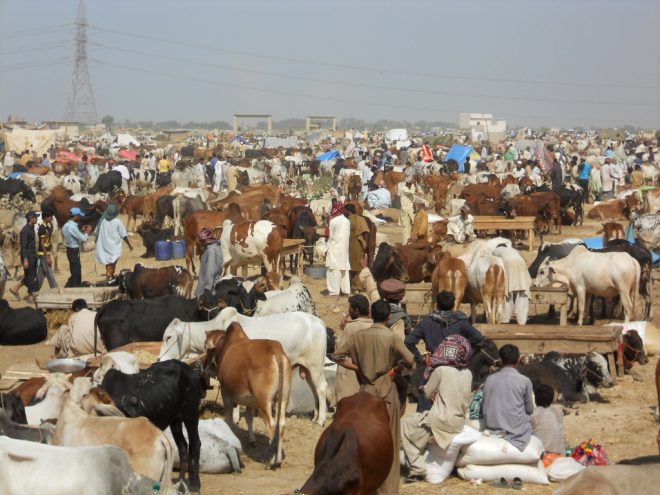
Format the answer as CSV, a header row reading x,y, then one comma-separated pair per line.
x,y
15,294
516,484
501,483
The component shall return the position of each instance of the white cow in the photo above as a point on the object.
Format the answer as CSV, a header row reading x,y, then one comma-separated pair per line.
x,y
487,285
220,450
246,243
28,468
72,182
295,298
303,338
53,393
118,360
598,274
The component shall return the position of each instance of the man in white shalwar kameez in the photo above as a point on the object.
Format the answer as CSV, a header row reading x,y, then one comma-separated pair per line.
x,y
336,261
461,226
218,177
109,234
518,283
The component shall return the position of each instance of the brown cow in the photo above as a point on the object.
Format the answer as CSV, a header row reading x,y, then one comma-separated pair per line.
x,y
613,480
353,453
409,263
450,274
200,219
477,190
611,231
145,282
392,180
615,209
440,184
280,217
354,187
255,373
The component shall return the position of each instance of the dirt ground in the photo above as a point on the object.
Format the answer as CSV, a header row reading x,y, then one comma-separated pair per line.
x,y
624,425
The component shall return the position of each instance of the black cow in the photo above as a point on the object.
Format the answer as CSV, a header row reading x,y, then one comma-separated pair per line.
x,y
571,377
633,349
151,234
107,183
164,208
303,226
21,326
168,393
121,322
231,292
12,406
13,187
163,178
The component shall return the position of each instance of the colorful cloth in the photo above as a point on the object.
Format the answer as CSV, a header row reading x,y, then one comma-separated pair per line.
x,y
454,351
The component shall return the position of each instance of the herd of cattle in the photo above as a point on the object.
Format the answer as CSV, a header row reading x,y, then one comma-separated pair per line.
x,y
253,336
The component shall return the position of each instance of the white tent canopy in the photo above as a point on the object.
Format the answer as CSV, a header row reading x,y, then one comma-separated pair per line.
x,y
37,142
127,140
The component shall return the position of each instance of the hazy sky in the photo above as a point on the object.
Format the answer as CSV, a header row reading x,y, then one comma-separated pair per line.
x,y
535,62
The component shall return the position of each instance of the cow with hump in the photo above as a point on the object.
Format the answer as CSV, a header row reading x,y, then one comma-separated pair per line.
x,y
254,373
353,453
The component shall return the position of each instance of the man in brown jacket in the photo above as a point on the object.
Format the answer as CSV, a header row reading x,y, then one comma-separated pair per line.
x,y
376,356
357,244
346,382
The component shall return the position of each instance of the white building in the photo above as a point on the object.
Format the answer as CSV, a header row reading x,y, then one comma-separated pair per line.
x,y
483,126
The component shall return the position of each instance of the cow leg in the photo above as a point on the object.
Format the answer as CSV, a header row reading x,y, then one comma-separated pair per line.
x,y
581,297
249,419
181,445
195,444
473,313
316,380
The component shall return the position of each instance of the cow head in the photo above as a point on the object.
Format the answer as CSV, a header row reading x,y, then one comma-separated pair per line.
x,y
545,274
208,305
213,344
388,264
633,349
597,372
97,402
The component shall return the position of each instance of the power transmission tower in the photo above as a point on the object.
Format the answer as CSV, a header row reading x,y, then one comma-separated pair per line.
x,y
80,105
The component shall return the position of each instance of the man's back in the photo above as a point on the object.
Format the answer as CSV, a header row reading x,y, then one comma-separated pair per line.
x,y
508,404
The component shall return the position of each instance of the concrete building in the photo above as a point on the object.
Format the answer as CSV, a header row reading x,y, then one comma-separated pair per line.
x,y
483,126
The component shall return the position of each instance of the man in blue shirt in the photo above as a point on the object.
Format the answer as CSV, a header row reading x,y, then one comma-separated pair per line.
x,y
73,237
584,171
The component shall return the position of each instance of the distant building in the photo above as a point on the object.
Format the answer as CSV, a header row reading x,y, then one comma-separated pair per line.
x,y
482,126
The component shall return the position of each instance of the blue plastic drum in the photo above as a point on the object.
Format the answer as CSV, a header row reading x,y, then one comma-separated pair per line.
x,y
163,250
178,249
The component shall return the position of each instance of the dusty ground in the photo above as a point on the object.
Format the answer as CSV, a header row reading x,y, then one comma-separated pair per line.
x,y
624,426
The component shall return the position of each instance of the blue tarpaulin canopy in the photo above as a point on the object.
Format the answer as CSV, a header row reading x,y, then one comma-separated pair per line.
x,y
328,155
238,138
459,153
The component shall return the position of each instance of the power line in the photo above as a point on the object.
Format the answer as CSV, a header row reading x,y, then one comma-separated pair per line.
x,y
375,86
36,48
29,65
365,68
37,31
328,98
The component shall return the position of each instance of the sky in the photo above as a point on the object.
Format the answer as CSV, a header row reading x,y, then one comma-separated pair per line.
x,y
531,62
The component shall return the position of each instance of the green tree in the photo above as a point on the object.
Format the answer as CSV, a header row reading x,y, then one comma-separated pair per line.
x,y
108,121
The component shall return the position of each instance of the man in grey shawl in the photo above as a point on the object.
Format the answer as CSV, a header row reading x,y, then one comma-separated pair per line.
x,y
210,268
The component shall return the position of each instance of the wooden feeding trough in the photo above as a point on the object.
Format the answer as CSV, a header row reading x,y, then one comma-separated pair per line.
x,y
62,298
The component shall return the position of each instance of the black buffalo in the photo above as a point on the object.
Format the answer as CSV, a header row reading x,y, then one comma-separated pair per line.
x,y
121,322
164,209
107,183
14,187
21,326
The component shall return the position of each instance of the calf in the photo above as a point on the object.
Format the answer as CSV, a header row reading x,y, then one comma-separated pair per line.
x,y
353,453
573,378
107,183
21,326
143,282
53,393
612,231
295,298
250,242
255,374
164,208
150,235
615,209
633,349
167,393
148,450
121,322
